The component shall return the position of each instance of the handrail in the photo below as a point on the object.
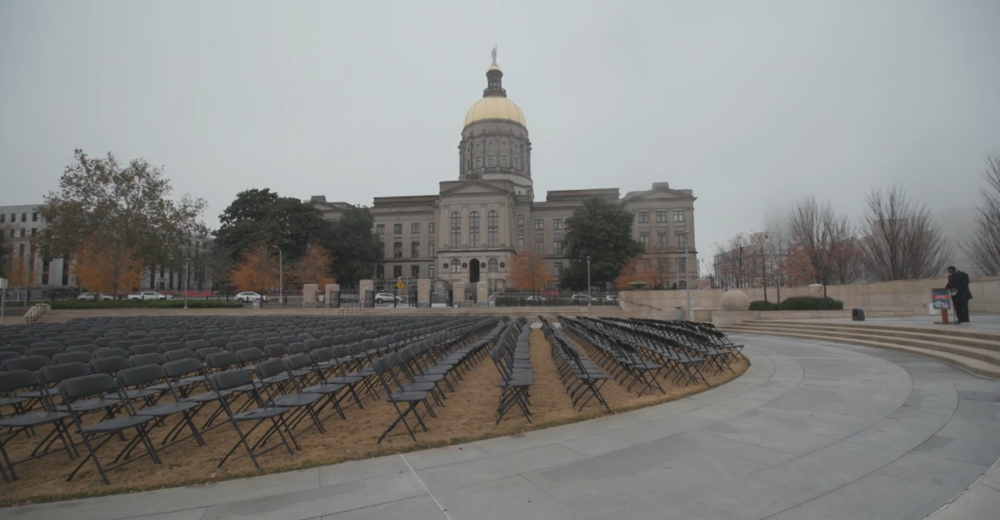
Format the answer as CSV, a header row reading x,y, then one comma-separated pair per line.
x,y
621,297
35,312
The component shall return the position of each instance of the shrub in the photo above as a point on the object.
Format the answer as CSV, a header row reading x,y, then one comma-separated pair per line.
x,y
811,303
761,305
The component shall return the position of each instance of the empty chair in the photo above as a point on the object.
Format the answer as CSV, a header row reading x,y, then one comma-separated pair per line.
x,y
136,350
154,358
71,357
138,381
227,381
96,435
109,365
48,351
88,347
110,352
26,381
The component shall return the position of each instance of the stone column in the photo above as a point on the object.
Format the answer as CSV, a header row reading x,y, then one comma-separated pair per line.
x,y
365,287
482,294
332,291
458,292
309,291
423,293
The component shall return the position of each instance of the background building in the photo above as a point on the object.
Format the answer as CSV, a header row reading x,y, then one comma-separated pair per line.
x,y
22,227
471,229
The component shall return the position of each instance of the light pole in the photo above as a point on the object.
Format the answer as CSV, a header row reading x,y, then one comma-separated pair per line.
x,y
187,263
281,276
588,280
687,284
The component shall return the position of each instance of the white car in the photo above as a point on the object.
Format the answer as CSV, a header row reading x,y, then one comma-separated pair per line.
x,y
384,297
90,297
248,297
150,295
535,299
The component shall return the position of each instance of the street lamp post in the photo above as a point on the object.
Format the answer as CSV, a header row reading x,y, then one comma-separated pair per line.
x,y
687,284
187,283
281,276
588,280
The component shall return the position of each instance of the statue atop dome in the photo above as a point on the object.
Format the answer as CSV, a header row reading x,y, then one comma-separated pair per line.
x,y
494,54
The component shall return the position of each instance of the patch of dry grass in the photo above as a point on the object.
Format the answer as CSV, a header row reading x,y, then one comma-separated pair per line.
x,y
468,415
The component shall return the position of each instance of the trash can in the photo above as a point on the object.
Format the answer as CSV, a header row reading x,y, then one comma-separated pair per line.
x,y
256,304
858,314
678,313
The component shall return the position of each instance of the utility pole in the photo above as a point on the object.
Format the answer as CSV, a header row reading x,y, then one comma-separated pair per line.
x,y
281,276
588,281
687,284
187,285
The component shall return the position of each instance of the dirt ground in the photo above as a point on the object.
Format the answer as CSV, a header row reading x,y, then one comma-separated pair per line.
x,y
469,414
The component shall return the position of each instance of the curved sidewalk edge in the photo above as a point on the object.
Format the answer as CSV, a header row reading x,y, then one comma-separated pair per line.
x,y
980,500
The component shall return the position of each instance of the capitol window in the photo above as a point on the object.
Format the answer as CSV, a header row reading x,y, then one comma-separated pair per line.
x,y
492,224
493,266
456,229
479,162
503,161
517,163
456,265
474,229
504,144
479,146
490,161
643,217
489,144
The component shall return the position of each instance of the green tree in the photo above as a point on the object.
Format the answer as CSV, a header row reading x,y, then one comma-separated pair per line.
x,y
602,231
355,247
263,216
125,207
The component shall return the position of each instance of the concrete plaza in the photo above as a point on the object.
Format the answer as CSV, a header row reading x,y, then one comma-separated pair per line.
x,y
812,431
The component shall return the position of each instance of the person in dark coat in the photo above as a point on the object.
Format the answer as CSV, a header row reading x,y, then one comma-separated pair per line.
x,y
958,282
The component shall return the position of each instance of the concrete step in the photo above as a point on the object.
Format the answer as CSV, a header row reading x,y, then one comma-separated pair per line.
x,y
969,364
940,330
919,334
935,343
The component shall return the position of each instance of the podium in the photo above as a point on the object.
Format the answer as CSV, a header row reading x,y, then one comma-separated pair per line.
x,y
941,301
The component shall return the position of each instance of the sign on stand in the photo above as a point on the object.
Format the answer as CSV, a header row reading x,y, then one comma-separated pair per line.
x,y
941,301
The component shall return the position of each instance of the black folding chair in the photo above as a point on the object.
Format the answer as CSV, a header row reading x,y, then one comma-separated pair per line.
x,y
24,422
232,379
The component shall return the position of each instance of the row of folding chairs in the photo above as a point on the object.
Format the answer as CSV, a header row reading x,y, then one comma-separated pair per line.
x,y
582,378
512,359
623,361
188,383
703,338
664,336
683,364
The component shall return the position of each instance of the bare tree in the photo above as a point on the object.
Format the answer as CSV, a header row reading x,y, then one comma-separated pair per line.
x,y
825,243
732,262
983,247
899,238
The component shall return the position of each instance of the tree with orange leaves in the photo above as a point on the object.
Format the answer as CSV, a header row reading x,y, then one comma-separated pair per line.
x,y
641,270
106,266
529,271
258,269
314,267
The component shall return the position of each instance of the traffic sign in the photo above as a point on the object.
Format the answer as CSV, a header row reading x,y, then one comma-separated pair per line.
x,y
400,285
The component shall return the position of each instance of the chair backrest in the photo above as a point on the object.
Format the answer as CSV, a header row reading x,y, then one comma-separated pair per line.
x,y
300,360
109,365
203,353
182,367
183,353
237,346
173,345
147,359
55,374
250,355
137,350
33,363
48,352
276,351
141,375
17,380
271,368
230,379
20,349
222,360
219,341
198,344
110,352
89,347
86,386
71,357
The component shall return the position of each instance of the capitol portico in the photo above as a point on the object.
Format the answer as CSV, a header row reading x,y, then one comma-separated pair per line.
x,y
472,229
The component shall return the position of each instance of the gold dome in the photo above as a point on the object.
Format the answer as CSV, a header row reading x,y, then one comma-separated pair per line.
x,y
495,107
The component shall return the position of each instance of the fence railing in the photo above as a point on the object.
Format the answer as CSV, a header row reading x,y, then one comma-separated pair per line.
x,y
35,312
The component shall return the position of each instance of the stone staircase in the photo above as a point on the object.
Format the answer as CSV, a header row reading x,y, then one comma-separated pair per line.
x,y
975,351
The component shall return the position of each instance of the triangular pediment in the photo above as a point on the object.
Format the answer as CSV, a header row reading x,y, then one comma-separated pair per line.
x,y
473,188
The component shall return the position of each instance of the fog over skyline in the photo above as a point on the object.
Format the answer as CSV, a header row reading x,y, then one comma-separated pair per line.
x,y
752,105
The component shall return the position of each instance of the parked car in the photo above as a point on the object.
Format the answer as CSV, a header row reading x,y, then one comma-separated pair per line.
x,y
349,298
90,297
249,297
611,298
150,295
384,297
580,299
535,299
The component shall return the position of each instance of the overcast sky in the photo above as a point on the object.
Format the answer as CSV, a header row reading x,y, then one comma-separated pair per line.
x,y
750,104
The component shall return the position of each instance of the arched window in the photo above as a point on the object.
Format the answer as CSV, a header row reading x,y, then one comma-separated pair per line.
x,y
494,266
492,224
456,265
456,229
474,229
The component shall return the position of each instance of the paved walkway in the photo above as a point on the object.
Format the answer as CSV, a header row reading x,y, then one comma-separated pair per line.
x,y
977,322
812,431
